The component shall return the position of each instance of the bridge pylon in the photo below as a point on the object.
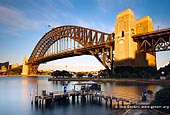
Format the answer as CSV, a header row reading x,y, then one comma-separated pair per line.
x,y
25,68
127,52
28,69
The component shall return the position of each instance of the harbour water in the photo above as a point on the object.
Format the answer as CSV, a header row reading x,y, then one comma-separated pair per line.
x,y
16,94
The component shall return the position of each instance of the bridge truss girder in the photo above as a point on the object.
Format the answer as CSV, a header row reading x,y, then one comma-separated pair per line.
x,y
153,41
105,56
91,42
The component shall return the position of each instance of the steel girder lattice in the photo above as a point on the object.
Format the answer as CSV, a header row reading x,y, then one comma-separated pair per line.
x,y
153,41
68,41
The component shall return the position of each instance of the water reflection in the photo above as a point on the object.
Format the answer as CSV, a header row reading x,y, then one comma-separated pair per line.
x,y
128,88
29,84
15,94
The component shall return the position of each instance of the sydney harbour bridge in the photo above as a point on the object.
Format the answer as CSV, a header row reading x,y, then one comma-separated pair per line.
x,y
133,43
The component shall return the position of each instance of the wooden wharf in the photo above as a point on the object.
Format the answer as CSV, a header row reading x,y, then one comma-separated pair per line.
x,y
94,96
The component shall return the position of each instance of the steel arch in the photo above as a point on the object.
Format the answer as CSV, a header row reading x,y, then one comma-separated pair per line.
x,y
94,42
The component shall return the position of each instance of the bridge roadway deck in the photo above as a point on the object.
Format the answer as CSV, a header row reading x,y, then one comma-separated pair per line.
x,y
152,34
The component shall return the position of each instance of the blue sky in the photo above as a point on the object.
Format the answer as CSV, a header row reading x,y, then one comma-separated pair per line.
x,y
24,22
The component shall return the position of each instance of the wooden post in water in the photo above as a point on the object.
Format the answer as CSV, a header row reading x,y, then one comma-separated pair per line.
x,y
73,98
110,102
90,98
77,98
83,98
117,104
36,100
99,100
40,102
31,94
106,101
122,103
37,89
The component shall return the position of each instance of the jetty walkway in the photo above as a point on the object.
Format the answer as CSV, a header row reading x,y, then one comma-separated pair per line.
x,y
94,96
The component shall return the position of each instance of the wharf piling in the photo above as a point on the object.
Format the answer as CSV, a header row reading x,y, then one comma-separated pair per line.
x,y
93,96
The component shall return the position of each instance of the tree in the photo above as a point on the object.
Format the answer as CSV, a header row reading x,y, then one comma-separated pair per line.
x,y
65,73
134,75
150,92
162,98
80,74
90,75
168,76
56,73
62,73
104,73
117,76
125,74
15,71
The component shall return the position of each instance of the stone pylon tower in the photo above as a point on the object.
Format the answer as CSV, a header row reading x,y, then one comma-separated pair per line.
x,y
126,50
25,68
144,25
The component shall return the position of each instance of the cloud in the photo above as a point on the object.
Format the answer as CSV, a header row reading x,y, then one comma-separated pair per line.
x,y
106,5
14,21
67,3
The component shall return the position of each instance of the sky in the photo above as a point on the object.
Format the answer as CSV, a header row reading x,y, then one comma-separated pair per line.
x,y
24,22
